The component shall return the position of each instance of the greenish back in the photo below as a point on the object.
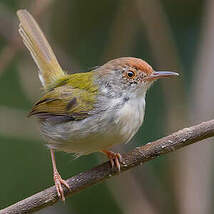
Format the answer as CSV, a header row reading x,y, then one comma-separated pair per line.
x,y
73,96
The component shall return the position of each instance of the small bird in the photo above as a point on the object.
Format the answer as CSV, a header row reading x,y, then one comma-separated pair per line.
x,y
89,112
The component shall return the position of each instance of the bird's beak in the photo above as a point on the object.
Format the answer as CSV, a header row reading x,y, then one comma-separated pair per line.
x,y
161,74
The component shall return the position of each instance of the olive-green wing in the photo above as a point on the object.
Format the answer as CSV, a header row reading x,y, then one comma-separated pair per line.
x,y
65,101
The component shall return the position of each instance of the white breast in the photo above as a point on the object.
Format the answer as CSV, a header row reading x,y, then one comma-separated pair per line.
x,y
130,117
99,132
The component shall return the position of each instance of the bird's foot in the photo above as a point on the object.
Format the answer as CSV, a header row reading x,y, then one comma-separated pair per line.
x,y
115,158
58,183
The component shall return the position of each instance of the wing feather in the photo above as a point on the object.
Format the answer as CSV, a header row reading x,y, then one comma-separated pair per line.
x,y
65,102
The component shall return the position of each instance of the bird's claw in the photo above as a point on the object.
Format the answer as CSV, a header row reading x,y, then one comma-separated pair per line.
x,y
115,159
58,183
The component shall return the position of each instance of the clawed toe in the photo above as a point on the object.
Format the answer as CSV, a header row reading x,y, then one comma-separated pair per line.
x,y
58,183
115,158
57,179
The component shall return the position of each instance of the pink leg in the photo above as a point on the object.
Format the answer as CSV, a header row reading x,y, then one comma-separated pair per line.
x,y
115,158
57,178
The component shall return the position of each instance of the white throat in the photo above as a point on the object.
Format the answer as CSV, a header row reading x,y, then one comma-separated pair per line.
x,y
130,117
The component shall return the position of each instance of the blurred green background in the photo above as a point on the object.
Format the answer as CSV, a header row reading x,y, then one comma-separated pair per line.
x,y
175,35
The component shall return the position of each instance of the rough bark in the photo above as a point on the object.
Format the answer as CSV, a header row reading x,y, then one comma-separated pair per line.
x,y
100,173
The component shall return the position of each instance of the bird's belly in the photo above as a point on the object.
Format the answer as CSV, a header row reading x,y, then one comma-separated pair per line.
x,y
82,138
95,133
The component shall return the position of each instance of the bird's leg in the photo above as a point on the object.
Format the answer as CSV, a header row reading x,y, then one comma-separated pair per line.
x,y
57,178
115,158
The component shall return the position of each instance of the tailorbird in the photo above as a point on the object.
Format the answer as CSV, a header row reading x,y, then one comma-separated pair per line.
x,y
87,112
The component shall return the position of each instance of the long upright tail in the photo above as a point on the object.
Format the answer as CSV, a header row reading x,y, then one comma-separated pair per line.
x,y
42,53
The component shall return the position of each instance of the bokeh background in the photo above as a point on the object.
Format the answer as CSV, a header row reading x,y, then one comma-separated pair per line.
x,y
175,35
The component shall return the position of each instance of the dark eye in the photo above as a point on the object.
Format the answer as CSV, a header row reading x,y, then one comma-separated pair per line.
x,y
130,74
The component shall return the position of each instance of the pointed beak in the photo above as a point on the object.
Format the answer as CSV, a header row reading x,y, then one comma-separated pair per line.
x,y
161,74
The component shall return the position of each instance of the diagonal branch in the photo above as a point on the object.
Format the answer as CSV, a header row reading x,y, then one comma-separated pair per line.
x,y
100,173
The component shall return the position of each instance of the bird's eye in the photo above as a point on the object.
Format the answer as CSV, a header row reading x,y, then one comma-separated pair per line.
x,y
130,74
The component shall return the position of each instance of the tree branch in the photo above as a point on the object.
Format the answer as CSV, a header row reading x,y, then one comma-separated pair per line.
x,y
132,159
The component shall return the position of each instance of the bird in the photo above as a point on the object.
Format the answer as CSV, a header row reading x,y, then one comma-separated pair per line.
x,y
86,112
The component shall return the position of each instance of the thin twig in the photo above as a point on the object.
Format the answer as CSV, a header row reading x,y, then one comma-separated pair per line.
x,y
100,173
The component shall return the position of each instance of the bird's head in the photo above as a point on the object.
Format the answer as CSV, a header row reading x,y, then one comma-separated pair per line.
x,y
130,75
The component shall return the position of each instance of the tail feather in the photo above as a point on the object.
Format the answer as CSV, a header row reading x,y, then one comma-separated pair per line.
x,y
42,53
